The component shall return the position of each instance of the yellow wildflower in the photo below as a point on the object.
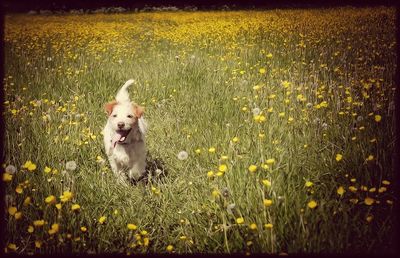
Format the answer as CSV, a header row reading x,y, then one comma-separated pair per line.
x,y
132,226
252,168
267,202
312,204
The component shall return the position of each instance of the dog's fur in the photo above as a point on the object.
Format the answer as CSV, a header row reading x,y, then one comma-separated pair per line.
x,y
124,136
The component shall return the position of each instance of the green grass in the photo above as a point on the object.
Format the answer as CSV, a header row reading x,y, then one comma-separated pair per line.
x,y
194,94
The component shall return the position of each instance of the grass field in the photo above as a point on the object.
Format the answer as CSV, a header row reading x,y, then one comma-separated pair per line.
x,y
286,117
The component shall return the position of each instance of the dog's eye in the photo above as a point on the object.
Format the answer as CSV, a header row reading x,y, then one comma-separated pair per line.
x,y
115,115
130,116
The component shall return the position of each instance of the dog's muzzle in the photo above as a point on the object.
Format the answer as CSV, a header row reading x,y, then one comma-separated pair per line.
x,y
120,137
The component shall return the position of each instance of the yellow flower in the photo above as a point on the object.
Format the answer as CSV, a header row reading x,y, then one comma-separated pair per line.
x,y
267,202
339,157
270,161
385,182
38,223
266,182
211,150
47,170
197,151
269,55
58,206
83,229
210,174
382,189
340,191
18,215
352,189
102,219
7,177
66,196
29,165
378,118
19,189
222,168
370,157
31,229
309,184
369,201
262,70
268,226
252,168
215,193
50,199
12,246
38,244
27,201
253,226
132,226
240,220
170,248
312,204
12,210
235,139
146,241
369,218
54,229
75,207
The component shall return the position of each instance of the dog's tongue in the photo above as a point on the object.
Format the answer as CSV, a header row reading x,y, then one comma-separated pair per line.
x,y
118,137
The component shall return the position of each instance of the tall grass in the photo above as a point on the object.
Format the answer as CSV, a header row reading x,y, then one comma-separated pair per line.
x,y
277,94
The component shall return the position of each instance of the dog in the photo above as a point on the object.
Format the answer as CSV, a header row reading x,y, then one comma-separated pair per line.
x,y
124,136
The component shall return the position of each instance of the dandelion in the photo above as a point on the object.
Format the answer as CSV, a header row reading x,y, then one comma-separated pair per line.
x,y
266,182
10,169
70,165
19,189
102,219
38,223
66,196
268,226
211,150
253,226
29,165
353,189
222,168
183,155
197,151
83,229
131,226
340,191
75,207
269,55
47,170
54,229
12,246
252,168
170,248
309,184
262,70
12,210
370,158
50,199
267,202
7,177
215,193
18,215
312,204
30,229
27,201
210,174
38,244
240,220
378,118
339,157
369,218
369,201
386,182
270,161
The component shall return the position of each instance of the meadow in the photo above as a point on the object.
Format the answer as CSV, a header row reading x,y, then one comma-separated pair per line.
x,y
269,131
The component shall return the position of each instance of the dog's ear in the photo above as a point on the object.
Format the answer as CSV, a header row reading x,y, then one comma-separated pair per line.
x,y
138,110
109,107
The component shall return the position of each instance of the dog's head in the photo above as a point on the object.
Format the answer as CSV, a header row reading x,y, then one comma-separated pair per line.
x,y
122,117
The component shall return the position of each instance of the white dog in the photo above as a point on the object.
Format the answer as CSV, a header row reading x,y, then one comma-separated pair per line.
x,y
124,139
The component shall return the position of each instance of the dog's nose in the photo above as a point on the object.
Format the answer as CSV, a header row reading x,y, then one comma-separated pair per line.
x,y
121,125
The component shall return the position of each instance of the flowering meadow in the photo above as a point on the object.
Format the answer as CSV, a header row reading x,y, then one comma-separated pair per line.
x,y
273,131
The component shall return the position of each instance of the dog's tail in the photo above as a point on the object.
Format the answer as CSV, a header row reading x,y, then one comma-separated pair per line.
x,y
123,95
